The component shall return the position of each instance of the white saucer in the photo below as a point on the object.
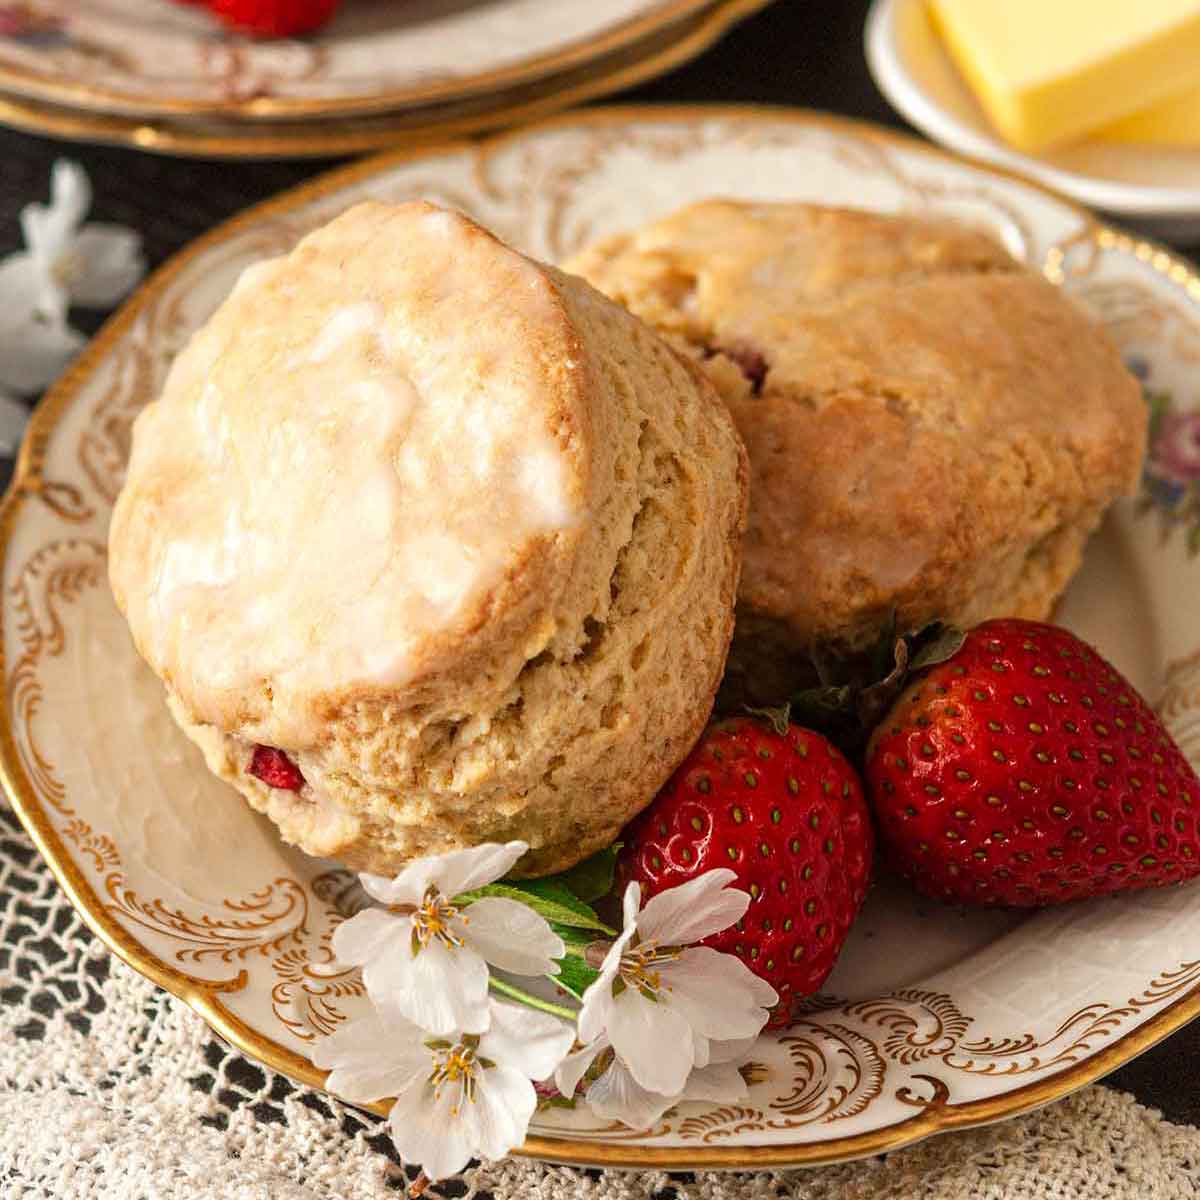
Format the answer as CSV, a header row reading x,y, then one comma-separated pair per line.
x,y
1156,188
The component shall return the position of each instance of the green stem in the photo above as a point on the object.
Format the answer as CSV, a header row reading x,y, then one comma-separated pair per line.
x,y
524,997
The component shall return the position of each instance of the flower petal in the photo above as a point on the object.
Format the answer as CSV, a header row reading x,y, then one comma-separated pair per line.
x,y
105,262
574,1067
630,903
70,195
369,1060
34,354
14,416
531,1042
654,1040
451,873
431,1129
365,935
730,1050
504,1105
617,1096
462,870
19,284
719,996
440,989
409,887
596,1012
721,1082
694,910
511,936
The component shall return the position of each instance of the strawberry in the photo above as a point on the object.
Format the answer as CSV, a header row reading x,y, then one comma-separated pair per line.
x,y
275,769
784,810
1025,770
274,18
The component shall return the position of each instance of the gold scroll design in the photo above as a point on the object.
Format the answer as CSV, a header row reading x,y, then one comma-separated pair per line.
x,y
247,70
264,924
926,1026
311,986
837,1073
52,579
270,924
1134,312
928,195
553,180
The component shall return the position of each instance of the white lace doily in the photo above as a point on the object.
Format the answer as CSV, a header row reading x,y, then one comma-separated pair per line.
x,y
111,1089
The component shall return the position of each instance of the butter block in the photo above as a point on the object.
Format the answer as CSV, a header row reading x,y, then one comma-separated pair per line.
x,y
1048,71
1172,122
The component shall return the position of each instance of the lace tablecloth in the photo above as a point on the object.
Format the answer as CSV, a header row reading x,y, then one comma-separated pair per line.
x,y
111,1089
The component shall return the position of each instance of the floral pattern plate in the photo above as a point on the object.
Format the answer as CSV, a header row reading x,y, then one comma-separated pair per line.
x,y
934,1018
160,57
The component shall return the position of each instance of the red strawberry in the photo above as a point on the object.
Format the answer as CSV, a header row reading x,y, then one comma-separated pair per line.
x,y
786,813
1025,770
275,769
274,18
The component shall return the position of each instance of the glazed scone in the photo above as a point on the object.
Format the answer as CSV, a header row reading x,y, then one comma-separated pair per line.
x,y
451,530
933,430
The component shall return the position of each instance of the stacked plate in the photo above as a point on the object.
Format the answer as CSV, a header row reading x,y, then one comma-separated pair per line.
x,y
167,77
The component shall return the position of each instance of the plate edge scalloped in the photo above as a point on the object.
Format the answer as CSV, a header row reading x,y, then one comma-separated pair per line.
x,y
25,484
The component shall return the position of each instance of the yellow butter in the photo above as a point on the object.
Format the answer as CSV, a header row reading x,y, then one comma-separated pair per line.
x,y
1047,71
1172,122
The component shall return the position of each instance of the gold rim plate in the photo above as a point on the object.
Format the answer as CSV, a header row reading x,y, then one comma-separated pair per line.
x,y
937,1116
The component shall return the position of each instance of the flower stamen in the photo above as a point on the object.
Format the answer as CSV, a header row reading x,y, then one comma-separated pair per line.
x,y
431,920
456,1066
639,967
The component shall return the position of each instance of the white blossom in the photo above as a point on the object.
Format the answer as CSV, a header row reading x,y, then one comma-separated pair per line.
x,y
661,1003
14,416
64,262
425,957
615,1095
458,1097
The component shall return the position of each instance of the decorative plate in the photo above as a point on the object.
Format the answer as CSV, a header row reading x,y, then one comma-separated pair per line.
x,y
157,57
1157,186
204,136
935,1018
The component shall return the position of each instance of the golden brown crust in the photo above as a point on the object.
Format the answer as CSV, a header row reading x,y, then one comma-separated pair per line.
x,y
938,429
557,711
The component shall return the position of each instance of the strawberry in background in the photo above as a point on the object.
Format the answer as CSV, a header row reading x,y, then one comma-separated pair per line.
x,y
270,18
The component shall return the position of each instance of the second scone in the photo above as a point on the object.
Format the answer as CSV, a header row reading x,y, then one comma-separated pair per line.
x,y
432,546
933,430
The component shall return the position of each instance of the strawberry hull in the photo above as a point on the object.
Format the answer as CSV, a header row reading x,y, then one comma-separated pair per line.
x,y
1027,771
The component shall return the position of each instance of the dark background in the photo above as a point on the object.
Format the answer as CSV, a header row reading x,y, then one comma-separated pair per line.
x,y
801,52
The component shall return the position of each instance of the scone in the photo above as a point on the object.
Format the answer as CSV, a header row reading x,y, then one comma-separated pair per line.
x,y
432,545
933,430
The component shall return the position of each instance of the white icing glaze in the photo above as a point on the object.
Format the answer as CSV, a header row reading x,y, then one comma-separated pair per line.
x,y
344,460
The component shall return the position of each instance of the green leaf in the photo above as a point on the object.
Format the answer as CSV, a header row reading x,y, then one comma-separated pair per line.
x,y
592,879
547,897
944,641
777,718
575,976
819,704
575,937
875,700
